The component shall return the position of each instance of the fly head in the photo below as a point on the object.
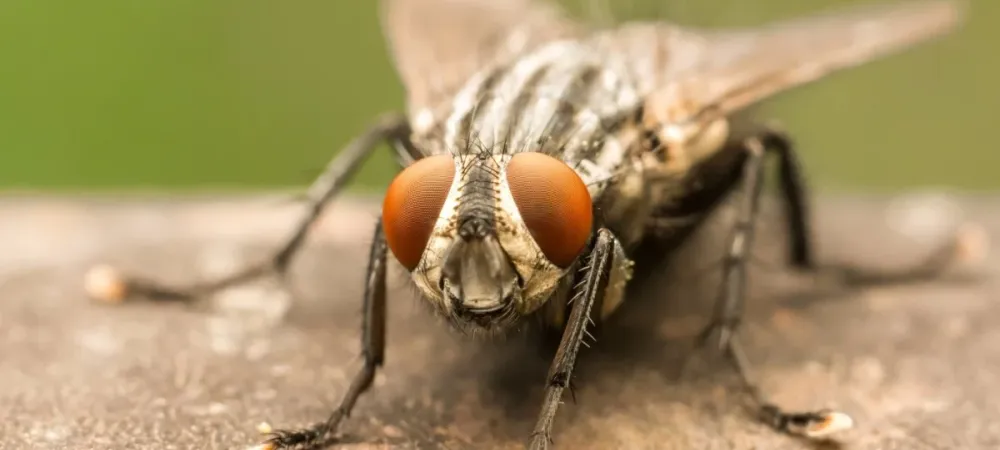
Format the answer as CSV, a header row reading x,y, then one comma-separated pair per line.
x,y
487,238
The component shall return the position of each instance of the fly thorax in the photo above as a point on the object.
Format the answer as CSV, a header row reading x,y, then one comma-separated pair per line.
x,y
680,133
627,202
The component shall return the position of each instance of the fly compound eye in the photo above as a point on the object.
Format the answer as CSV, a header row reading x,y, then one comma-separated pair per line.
x,y
412,205
554,204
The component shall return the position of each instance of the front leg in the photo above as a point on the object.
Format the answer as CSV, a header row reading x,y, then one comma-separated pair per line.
x,y
373,349
106,284
595,276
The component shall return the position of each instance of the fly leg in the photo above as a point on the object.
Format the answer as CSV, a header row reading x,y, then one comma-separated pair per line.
x,y
373,350
967,243
595,276
729,307
106,284
793,191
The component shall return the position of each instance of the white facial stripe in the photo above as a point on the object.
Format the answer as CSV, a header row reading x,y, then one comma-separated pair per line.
x,y
540,276
429,267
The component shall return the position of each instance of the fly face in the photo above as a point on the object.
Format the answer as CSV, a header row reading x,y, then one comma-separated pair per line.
x,y
487,239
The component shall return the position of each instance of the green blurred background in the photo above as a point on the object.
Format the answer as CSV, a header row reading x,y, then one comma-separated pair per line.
x,y
234,94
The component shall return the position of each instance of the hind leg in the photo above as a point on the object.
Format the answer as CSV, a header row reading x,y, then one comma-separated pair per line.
x,y
965,243
730,304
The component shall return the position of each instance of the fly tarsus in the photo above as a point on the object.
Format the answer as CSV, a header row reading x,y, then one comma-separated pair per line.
x,y
112,286
816,424
373,350
281,439
107,284
317,434
967,244
730,305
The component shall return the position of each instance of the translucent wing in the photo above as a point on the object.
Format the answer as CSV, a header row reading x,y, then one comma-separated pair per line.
x,y
438,44
725,71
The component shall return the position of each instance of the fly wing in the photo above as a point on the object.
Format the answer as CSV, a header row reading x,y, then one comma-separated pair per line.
x,y
725,71
437,45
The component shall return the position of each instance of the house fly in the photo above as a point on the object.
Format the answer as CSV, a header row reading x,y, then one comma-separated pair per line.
x,y
539,154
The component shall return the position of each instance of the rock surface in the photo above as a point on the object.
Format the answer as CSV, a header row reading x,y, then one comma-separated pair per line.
x,y
916,365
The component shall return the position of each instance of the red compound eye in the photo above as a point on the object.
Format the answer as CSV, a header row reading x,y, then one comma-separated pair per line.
x,y
554,203
412,205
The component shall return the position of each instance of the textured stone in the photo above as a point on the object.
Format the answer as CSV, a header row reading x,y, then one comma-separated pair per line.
x,y
915,365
